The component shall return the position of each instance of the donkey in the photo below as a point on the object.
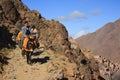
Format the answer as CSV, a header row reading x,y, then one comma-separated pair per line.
x,y
31,45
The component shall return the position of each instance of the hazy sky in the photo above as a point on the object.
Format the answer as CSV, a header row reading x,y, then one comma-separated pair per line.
x,y
79,16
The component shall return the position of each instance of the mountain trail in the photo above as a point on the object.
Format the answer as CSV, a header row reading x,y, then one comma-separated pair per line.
x,y
18,69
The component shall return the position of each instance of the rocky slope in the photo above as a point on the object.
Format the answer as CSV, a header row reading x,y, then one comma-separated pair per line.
x,y
105,41
51,32
109,70
59,60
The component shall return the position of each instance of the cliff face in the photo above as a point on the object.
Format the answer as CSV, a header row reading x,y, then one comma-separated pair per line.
x,y
105,41
52,36
51,32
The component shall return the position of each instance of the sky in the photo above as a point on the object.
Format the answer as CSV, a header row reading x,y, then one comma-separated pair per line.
x,y
80,17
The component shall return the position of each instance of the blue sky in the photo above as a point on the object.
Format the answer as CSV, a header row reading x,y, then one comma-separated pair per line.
x,y
79,16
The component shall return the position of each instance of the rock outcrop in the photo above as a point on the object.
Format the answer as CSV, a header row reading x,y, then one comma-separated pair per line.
x,y
52,33
107,68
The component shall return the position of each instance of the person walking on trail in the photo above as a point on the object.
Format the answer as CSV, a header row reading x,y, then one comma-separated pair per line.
x,y
34,32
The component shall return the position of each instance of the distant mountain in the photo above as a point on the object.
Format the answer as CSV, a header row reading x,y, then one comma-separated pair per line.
x,y
105,41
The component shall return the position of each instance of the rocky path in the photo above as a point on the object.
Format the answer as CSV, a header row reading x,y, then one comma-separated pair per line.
x,y
46,66
18,69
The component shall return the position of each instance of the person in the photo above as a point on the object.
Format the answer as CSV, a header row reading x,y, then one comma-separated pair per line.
x,y
34,32
24,33
25,37
25,30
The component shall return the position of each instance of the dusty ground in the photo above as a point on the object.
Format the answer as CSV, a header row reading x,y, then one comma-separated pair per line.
x,y
18,69
46,64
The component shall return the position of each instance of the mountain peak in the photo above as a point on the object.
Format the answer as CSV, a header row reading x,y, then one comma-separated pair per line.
x,y
104,41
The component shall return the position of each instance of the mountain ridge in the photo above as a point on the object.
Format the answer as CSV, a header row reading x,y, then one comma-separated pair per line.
x,y
105,41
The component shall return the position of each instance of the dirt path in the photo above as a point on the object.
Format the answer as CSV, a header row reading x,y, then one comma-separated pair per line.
x,y
18,69
46,66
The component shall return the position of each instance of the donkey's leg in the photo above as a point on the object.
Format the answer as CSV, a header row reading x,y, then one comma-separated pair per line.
x,y
29,58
